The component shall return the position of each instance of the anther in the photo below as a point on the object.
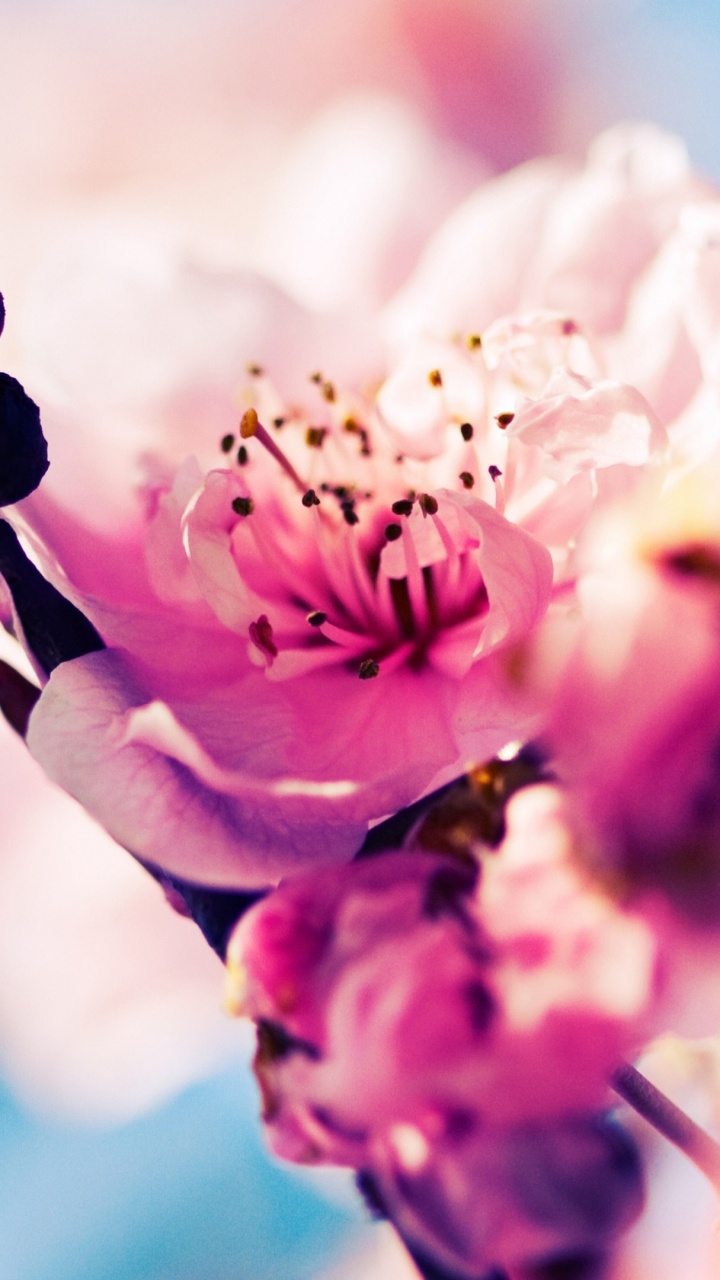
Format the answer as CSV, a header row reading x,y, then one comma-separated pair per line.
x,y
243,506
467,479
494,472
435,378
242,455
474,341
316,377
402,508
250,428
310,499
249,424
467,431
255,370
393,532
428,505
350,516
227,443
278,422
368,668
504,419
261,634
317,618
314,437
328,392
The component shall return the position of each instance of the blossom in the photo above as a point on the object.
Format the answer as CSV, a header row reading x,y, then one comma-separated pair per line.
x,y
632,694
353,565
418,1026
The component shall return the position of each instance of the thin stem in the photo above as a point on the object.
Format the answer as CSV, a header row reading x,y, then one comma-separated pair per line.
x,y
669,1120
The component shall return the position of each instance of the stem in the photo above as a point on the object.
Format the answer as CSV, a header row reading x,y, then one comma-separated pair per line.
x,y
669,1120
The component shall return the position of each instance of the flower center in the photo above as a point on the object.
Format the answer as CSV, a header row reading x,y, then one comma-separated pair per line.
x,y
353,560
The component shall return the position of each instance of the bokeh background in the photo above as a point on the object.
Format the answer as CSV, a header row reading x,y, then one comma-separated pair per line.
x,y
129,1145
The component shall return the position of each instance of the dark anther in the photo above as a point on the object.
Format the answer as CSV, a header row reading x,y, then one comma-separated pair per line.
x,y
261,634
2,313
467,479
467,431
227,443
242,455
314,437
368,669
402,508
328,392
243,506
23,449
316,377
504,419
393,532
255,370
428,504
474,341
435,378
278,422
494,472
317,618
349,515
310,499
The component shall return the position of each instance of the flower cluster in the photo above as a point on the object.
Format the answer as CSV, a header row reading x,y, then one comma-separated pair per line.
x,y
490,521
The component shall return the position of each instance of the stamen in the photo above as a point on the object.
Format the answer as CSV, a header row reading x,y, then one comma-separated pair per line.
x,y
317,618
428,505
242,455
474,341
261,634
393,532
402,508
495,476
467,431
310,499
504,419
243,506
278,422
435,378
368,669
250,429
467,479
227,443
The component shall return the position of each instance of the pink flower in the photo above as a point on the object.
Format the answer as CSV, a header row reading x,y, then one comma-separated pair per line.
x,y
357,564
633,693
420,1029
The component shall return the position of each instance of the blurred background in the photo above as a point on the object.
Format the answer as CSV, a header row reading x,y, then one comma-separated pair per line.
x,y
296,137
